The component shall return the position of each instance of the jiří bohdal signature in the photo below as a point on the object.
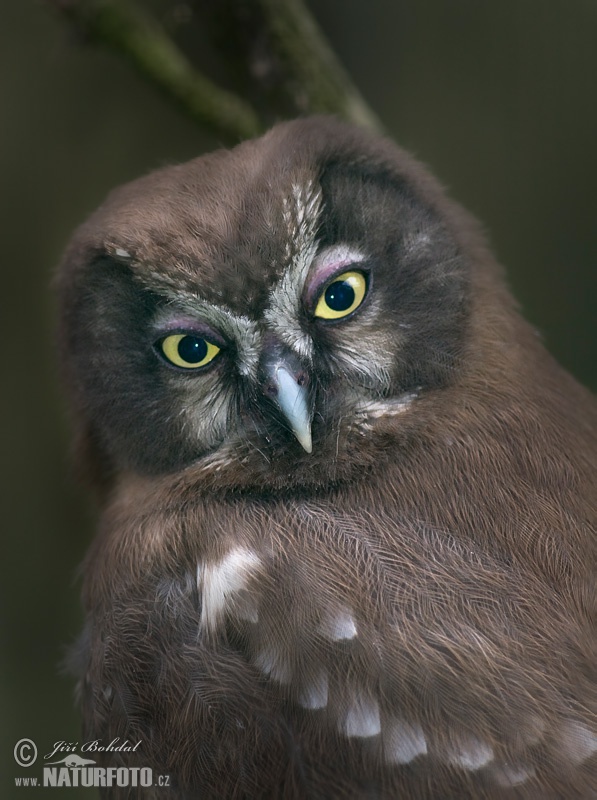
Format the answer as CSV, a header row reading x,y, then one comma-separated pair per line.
x,y
93,746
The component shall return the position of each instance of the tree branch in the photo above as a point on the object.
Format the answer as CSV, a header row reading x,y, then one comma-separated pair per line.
x,y
124,27
278,42
317,79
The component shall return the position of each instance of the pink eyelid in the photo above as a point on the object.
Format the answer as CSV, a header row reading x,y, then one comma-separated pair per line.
x,y
334,264
188,325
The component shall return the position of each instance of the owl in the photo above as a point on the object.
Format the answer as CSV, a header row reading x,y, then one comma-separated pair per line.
x,y
348,502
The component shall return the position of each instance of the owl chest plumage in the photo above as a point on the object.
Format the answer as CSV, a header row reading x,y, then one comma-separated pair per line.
x,y
349,621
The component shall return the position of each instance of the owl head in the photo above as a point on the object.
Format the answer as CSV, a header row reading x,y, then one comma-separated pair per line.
x,y
278,314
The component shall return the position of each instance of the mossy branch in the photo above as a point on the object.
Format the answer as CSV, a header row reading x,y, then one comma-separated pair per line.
x,y
316,73
126,28
309,75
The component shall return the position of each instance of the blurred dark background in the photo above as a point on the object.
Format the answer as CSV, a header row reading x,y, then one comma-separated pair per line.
x,y
498,98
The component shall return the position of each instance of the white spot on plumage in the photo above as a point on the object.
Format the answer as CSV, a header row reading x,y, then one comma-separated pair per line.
x,y
219,460
270,663
362,718
122,253
219,583
578,742
368,412
471,754
403,741
315,694
247,612
534,729
508,775
376,409
339,626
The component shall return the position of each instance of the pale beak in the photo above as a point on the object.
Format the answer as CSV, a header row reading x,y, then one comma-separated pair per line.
x,y
292,399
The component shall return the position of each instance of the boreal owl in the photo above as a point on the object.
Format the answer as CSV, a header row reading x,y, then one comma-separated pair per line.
x,y
348,501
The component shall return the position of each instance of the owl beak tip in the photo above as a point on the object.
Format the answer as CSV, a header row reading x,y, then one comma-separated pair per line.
x,y
305,440
292,401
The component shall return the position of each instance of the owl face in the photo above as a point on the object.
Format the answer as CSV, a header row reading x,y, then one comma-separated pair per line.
x,y
256,309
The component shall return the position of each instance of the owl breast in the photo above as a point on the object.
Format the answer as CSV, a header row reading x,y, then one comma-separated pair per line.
x,y
352,625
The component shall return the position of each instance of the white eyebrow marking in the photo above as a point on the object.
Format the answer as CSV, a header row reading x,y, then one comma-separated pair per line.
x,y
342,255
300,214
219,582
362,718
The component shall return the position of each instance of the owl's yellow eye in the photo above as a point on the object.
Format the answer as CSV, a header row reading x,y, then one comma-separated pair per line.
x,y
188,351
342,296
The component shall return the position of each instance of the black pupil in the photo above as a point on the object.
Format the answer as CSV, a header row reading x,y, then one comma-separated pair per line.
x,y
339,295
192,349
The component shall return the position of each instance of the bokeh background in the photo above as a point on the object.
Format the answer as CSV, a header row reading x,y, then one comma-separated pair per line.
x,y
499,98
